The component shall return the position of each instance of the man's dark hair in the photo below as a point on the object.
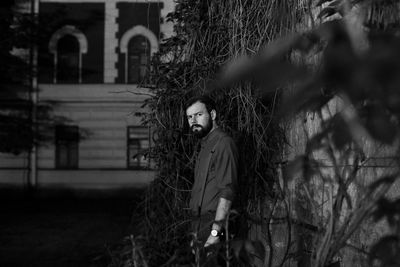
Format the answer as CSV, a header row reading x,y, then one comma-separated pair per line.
x,y
206,100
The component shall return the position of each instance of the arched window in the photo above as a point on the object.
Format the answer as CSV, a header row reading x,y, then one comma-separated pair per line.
x,y
68,60
68,44
138,58
138,44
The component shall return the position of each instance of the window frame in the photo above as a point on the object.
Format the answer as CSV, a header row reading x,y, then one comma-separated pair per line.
x,y
53,47
128,35
141,52
72,164
128,143
62,68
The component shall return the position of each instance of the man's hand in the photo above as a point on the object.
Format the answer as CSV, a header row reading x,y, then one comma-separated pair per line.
x,y
211,240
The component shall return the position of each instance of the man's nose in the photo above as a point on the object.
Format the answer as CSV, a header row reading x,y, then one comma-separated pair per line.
x,y
193,120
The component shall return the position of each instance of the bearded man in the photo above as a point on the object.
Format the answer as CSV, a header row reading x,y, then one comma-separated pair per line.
x,y
216,171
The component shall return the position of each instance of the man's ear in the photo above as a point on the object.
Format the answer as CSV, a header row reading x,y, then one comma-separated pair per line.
x,y
213,114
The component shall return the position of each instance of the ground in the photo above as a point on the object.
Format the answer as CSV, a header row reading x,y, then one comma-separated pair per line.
x,y
62,229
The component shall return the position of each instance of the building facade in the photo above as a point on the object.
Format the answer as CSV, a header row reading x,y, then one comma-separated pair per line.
x,y
92,57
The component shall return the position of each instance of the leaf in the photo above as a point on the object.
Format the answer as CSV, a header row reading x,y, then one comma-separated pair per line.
x,y
379,125
388,209
302,167
317,141
237,246
276,74
306,41
340,60
244,67
389,179
240,250
381,209
249,252
259,250
294,168
307,97
386,251
320,2
341,135
245,251
249,248
327,12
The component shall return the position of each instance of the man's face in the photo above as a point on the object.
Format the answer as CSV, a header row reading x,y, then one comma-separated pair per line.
x,y
199,119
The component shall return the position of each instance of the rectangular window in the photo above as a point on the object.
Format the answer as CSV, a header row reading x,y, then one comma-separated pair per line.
x,y
138,145
67,147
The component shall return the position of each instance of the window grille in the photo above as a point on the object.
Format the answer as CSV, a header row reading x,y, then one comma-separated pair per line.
x,y
68,60
67,147
138,145
138,59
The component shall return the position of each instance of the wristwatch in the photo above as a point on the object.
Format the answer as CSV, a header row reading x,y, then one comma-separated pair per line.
x,y
215,233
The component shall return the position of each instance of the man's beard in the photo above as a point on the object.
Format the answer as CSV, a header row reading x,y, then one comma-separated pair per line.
x,y
203,131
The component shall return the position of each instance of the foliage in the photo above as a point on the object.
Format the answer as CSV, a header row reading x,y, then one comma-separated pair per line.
x,y
208,34
348,78
11,71
18,129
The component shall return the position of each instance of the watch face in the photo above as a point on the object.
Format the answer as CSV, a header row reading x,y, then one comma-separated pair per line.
x,y
214,232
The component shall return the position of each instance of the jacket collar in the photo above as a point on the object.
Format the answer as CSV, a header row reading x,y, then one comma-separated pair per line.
x,y
210,136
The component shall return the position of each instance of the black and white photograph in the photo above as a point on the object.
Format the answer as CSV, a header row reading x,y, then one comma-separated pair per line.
x,y
199,133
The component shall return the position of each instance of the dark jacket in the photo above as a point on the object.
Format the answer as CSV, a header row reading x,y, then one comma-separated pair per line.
x,y
216,170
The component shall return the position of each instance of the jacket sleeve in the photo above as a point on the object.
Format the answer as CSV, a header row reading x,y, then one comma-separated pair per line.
x,y
227,168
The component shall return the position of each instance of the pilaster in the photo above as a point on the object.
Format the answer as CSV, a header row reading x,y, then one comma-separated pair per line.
x,y
110,41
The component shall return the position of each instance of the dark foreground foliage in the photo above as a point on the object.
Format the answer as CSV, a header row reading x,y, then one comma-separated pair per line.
x,y
353,90
23,121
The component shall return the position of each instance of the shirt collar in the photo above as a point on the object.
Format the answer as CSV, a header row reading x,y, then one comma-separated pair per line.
x,y
210,136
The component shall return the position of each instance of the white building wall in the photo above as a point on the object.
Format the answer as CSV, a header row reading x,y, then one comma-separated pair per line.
x,y
111,14
102,111
12,161
103,127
